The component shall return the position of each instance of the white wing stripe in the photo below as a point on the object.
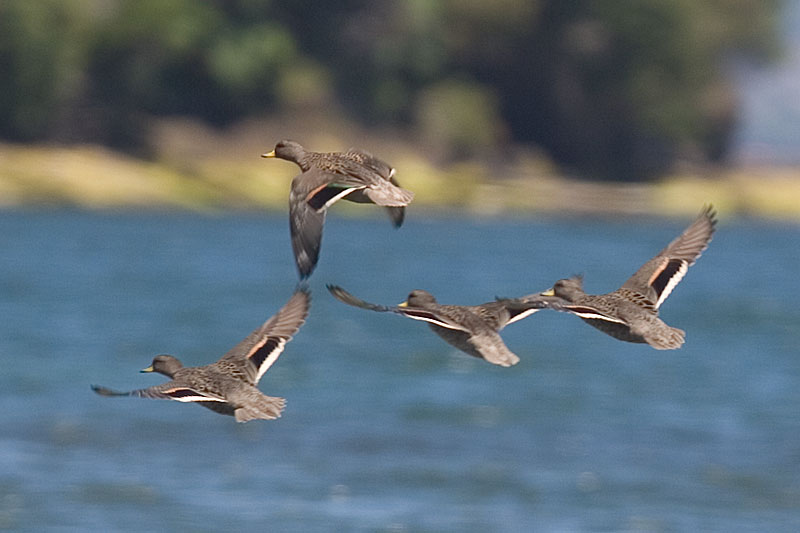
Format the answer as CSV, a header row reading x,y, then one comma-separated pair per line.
x,y
194,397
597,316
522,315
673,282
339,196
441,323
271,358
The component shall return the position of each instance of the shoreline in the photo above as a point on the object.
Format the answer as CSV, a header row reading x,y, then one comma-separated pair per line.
x,y
94,177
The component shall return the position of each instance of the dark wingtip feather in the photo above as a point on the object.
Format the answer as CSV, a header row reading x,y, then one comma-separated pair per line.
x,y
104,391
397,215
337,291
347,298
710,213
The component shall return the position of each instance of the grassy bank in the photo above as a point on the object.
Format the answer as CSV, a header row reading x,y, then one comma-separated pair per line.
x,y
95,177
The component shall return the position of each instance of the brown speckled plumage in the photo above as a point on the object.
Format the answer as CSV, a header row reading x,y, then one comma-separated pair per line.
x,y
472,329
228,386
630,313
354,175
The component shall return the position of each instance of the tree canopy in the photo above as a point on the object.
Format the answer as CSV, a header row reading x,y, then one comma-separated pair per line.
x,y
617,89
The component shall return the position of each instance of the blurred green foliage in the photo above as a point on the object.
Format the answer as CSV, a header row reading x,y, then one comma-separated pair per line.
x,y
618,89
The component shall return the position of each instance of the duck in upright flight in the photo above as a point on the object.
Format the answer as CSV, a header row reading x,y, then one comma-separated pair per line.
x,y
229,386
326,177
630,313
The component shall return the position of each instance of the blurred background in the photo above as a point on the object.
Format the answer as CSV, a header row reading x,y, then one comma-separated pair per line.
x,y
112,102
543,139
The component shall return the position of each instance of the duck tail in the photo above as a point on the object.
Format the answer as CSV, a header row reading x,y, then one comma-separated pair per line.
x,y
266,408
671,339
387,195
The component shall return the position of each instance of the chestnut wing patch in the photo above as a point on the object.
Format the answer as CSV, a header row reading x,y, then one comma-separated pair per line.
x,y
326,195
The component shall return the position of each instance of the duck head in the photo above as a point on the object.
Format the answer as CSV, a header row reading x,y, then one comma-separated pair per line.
x,y
288,150
418,298
568,288
164,364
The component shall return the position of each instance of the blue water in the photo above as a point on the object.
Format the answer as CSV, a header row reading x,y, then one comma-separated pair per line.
x,y
387,428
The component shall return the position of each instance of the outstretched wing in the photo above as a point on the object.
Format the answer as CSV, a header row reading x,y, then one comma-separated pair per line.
x,y
416,313
314,191
660,275
305,227
170,390
321,189
537,301
519,308
259,350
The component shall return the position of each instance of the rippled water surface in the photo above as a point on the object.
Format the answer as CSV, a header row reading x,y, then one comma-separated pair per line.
x,y
387,428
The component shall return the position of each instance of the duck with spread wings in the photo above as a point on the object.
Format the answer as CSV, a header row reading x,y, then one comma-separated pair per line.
x,y
325,178
473,329
630,313
229,386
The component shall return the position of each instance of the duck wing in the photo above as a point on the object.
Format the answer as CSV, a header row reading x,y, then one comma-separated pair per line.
x,y
656,279
416,313
305,227
255,354
171,390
